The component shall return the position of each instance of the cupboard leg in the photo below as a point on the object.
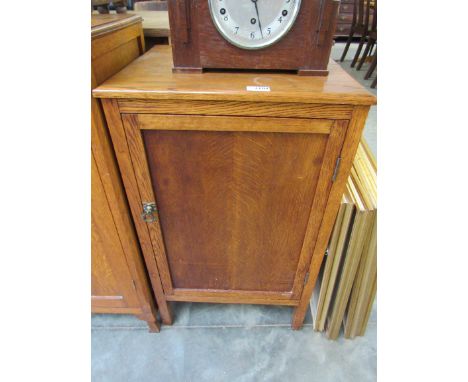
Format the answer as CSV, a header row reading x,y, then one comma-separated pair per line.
x,y
165,312
153,326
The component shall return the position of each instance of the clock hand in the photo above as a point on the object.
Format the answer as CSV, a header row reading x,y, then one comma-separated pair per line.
x,y
258,17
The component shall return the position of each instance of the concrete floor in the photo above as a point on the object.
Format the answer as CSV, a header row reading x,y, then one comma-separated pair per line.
x,y
233,343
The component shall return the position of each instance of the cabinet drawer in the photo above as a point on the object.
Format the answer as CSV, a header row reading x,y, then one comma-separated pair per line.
x,y
342,29
345,18
346,8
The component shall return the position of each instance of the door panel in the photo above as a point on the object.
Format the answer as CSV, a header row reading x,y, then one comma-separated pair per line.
x,y
234,205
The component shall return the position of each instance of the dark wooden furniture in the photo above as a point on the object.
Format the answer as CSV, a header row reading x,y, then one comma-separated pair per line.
x,y
371,36
103,5
119,281
150,6
233,192
371,70
198,45
359,27
344,18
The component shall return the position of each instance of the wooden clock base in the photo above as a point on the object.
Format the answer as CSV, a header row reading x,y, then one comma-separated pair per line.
x,y
299,72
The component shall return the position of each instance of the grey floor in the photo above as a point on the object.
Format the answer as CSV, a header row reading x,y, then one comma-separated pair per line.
x,y
233,343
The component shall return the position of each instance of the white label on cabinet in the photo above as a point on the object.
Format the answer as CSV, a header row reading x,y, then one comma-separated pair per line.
x,y
258,88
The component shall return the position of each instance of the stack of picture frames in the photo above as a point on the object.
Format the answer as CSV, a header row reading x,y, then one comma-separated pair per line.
x,y
347,283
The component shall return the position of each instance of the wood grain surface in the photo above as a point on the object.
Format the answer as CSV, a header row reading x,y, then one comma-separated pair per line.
x,y
348,150
234,206
236,108
197,44
111,282
155,23
243,181
119,280
151,77
106,23
119,141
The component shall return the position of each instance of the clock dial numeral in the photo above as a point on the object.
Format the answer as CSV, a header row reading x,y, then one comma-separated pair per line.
x,y
254,24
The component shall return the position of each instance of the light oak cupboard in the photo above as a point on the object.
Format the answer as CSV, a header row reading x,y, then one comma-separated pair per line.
x,y
119,280
233,192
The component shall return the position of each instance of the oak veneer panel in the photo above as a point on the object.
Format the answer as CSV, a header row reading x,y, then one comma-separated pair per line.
x,y
102,24
234,203
119,280
111,282
211,123
232,297
103,44
230,201
113,61
151,77
228,108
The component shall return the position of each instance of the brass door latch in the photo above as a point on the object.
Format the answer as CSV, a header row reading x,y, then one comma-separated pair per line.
x,y
149,211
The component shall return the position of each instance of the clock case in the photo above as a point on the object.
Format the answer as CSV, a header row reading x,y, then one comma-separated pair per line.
x,y
197,44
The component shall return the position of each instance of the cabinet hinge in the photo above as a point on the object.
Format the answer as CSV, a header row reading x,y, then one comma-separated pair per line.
x,y
149,211
337,169
306,278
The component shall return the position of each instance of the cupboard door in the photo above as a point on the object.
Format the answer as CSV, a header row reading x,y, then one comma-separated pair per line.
x,y
237,197
111,282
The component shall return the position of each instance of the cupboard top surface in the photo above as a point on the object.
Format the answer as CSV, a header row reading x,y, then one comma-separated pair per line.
x,y
151,77
106,23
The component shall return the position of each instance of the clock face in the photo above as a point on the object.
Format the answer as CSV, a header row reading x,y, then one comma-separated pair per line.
x,y
254,24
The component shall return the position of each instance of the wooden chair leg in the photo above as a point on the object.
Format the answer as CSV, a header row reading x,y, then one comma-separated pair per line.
x,y
358,52
120,6
348,43
357,20
372,67
374,83
103,9
364,28
365,54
